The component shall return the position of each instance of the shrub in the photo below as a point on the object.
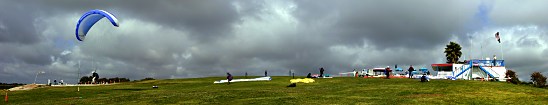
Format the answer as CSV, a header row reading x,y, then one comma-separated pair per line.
x,y
538,79
526,83
117,79
102,80
85,79
512,77
147,79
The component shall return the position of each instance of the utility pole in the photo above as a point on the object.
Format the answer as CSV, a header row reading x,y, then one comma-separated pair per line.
x,y
470,54
501,52
78,78
481,48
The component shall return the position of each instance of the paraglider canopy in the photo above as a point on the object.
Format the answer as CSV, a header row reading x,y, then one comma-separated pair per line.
x,y
89,19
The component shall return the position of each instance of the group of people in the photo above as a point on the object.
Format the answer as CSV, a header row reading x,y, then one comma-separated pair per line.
x,y
424,78
229,76
387,71
61,82
321,74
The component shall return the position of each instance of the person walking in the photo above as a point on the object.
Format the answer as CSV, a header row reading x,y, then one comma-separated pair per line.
x,y
228,77
410,70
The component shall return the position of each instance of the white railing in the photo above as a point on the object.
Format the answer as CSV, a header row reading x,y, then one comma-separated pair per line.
x,y
458,71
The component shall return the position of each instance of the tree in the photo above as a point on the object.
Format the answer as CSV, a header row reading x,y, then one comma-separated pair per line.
x,y
452,52
85,79
512,77
112,80
117,80
124,80
102,80
538,79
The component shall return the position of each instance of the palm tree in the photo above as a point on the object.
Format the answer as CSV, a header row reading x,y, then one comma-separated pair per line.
x,y
452,52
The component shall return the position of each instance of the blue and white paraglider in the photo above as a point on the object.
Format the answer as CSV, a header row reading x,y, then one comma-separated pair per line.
x,y
84,25
89,19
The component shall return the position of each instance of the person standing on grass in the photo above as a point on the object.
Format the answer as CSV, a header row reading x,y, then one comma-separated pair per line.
x,y
387,72
494,60
411,69
321,72
265,73
228,77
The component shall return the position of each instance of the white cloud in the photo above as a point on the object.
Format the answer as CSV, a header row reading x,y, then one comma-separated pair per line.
x,y
65,52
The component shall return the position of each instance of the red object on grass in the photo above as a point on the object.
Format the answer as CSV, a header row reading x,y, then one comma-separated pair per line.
x,y
6,98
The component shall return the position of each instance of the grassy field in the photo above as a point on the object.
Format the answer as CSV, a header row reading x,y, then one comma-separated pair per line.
x,y
344,90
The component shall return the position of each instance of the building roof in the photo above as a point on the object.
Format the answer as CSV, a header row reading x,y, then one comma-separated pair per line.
x,y
442,64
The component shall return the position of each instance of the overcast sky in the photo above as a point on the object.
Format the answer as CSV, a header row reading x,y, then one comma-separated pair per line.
x,y
199,38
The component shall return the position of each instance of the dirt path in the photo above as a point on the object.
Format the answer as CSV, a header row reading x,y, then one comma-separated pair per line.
x,y
26,87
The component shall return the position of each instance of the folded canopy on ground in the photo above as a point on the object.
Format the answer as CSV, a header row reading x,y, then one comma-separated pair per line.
x,y
305,80
245,80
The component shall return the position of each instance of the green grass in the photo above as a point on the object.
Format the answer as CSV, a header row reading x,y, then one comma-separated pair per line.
x,y
344,90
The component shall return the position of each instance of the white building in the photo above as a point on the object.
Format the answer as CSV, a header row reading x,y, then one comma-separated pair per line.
x,y
472,70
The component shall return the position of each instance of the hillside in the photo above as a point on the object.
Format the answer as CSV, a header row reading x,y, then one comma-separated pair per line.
x,y
344,90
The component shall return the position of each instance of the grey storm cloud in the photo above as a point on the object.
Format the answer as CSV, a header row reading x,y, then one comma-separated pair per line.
x,y
20,23
207,19
392,23
198,38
